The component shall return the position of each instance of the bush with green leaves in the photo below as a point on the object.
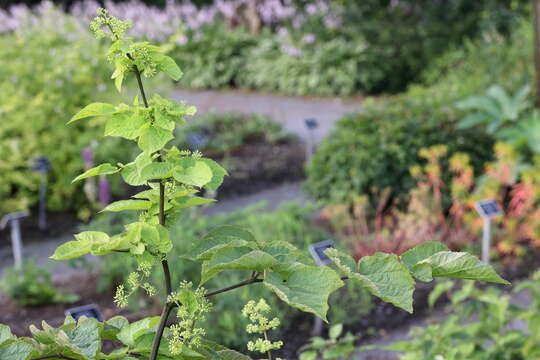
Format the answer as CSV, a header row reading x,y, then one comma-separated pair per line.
x,y
499,330
58,68
173,177
386,136
32,285
335,347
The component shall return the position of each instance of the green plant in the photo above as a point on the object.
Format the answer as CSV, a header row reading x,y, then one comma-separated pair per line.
x,y
32,285
386,139
387,135
336,347
173,177
493,335
60,68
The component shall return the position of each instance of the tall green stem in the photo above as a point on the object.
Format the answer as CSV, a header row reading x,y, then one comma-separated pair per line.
x,y
164,263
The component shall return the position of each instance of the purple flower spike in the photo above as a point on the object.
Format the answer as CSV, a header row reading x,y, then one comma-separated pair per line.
x,y
88,155
104,191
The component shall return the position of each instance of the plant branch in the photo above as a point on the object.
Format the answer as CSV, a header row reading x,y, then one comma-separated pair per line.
x,y
269,352
235,286
161,327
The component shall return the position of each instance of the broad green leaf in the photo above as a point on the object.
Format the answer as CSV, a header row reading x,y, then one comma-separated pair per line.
x,y
5,333
92,236
421,252
381,274
113,326
15,350
307,288
71,250
156,170
221,237
126,124
103,169
199,174
83,245
132,176
129,334
385,277
189,201
460,265
154,138
94,109
218,173
236,258
122,205
169,67
335,331
85,336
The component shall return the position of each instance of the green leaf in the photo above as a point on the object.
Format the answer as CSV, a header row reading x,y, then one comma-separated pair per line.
x,y
237,258
113,326
122,205
221,237
384,276
335,331
199,174
189,201
103,169
218,173
307,288
156,170
169,67
94,109
5,333
154,138
129,334
126,124
132,176
421,252
71,250
460,265
381,274
85,336
83,245
15,350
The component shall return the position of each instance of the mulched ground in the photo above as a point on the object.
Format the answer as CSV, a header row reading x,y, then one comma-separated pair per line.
x,y
19,318
259,166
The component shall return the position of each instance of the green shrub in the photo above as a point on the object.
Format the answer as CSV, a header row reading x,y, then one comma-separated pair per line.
x,y
32,285
214,55
49,70
375,148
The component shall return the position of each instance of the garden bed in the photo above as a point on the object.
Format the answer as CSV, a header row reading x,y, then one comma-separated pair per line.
x,y
19,318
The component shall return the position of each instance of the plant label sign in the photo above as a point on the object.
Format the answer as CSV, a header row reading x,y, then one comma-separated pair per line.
x,y
90,311
317,251
311,123
488,208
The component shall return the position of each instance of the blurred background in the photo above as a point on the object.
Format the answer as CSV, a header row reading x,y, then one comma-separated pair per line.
x,y
377,124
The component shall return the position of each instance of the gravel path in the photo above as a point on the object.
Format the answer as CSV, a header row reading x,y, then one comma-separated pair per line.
x,y
288,110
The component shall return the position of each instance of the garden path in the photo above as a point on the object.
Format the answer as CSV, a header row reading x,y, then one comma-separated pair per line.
x,y
290,111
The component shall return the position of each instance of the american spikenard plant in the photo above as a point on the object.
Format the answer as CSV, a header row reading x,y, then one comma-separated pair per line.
x,y
173,178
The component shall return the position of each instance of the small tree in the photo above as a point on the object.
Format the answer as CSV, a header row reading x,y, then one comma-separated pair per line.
x,y
173,178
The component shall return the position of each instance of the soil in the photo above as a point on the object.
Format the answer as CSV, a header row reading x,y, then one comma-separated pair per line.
x,y
259,166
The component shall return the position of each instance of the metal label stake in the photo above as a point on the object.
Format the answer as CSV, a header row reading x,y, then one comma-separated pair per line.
x,y
487,209
13,220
